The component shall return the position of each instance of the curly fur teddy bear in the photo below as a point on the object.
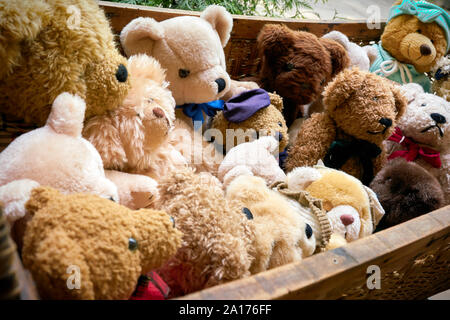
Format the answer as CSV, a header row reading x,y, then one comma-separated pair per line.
x,y
441,83
362,110
223,240
54,46
416,35
248,116
297,65
108,245
423,134
191,50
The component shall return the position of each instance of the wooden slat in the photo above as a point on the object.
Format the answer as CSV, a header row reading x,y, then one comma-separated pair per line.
x,y
330,274
245,27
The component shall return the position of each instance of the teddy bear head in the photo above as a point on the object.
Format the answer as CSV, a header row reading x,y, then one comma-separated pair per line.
x,y
268,120
297,64
364,105
54,46
427,118
142,122
189,48
93,243
417,33
56,155
352,209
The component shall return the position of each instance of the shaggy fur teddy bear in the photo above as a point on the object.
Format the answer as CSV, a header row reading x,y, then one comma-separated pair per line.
x,y
248,116
406,190
191,50
223,240
362,110
135,137
54,46
416,35
297,65
107,246
441,83
423,134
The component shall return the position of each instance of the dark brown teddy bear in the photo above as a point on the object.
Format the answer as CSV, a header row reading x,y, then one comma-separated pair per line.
x,y
297,65
361,111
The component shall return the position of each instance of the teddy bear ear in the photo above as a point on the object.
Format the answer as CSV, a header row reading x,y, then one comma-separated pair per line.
x,y
301,177
142,66
139,35
339,56
341,88
277,101
221,21
274,40
411,91
67,115
400,101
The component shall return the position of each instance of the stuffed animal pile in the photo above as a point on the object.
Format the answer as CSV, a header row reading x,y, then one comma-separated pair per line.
x,y
156,175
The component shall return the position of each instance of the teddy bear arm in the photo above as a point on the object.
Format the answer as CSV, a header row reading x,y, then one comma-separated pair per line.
x,y
237,87
58,267
312,142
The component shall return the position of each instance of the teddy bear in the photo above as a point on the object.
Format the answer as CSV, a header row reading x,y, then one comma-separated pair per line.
x,y
352,209
191,50
441,83
222,239
135,137
252,158
362,110
423,134
297,65
54,46
417,34
248,116
81,246
406,190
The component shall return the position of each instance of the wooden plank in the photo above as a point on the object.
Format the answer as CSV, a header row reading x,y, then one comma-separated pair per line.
x,y
339,271
245,27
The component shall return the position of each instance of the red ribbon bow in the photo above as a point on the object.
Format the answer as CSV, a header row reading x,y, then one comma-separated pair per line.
x,y
413,150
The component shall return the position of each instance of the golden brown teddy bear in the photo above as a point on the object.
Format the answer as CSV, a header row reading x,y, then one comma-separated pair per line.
x,y
223,240
108,245
361,111
237,125
51,46
416,36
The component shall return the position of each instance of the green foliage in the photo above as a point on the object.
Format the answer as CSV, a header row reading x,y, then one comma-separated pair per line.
x,y
271,8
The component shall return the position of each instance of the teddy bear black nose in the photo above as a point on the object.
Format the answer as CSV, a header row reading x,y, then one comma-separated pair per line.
x,y
439,118
386,122
121,73
425,50
220,84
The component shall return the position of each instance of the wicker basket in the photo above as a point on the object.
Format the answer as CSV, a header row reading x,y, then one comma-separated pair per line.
x,y
413,258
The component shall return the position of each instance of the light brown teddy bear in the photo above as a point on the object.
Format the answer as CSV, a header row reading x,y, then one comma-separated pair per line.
x,y
237,125
191,50
82,246
361,112
224,240
48,47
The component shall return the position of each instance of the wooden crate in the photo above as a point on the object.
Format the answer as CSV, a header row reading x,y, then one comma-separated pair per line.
x,y
413,257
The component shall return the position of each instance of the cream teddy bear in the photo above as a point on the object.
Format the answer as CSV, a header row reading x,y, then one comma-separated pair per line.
x,y
423,134
191,50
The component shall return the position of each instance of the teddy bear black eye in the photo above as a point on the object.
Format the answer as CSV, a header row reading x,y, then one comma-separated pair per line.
x,y
183,73
288,66
375,98
419,31
173,221
149,100
132,244
247,213
423,104
308,231
280,124
322,82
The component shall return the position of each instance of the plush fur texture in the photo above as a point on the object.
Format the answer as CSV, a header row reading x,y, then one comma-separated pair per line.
x,y
52,46
355,103
441,87
265,122
191,50
405,34
252,158
297,65
406,190
92,234
416,119
56,155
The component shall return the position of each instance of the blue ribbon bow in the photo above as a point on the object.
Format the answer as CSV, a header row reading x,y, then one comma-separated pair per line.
x,y
195,110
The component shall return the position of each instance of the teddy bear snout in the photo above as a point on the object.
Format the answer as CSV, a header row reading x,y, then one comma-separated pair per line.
x,y
221,84
439,118
347,219
158,112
